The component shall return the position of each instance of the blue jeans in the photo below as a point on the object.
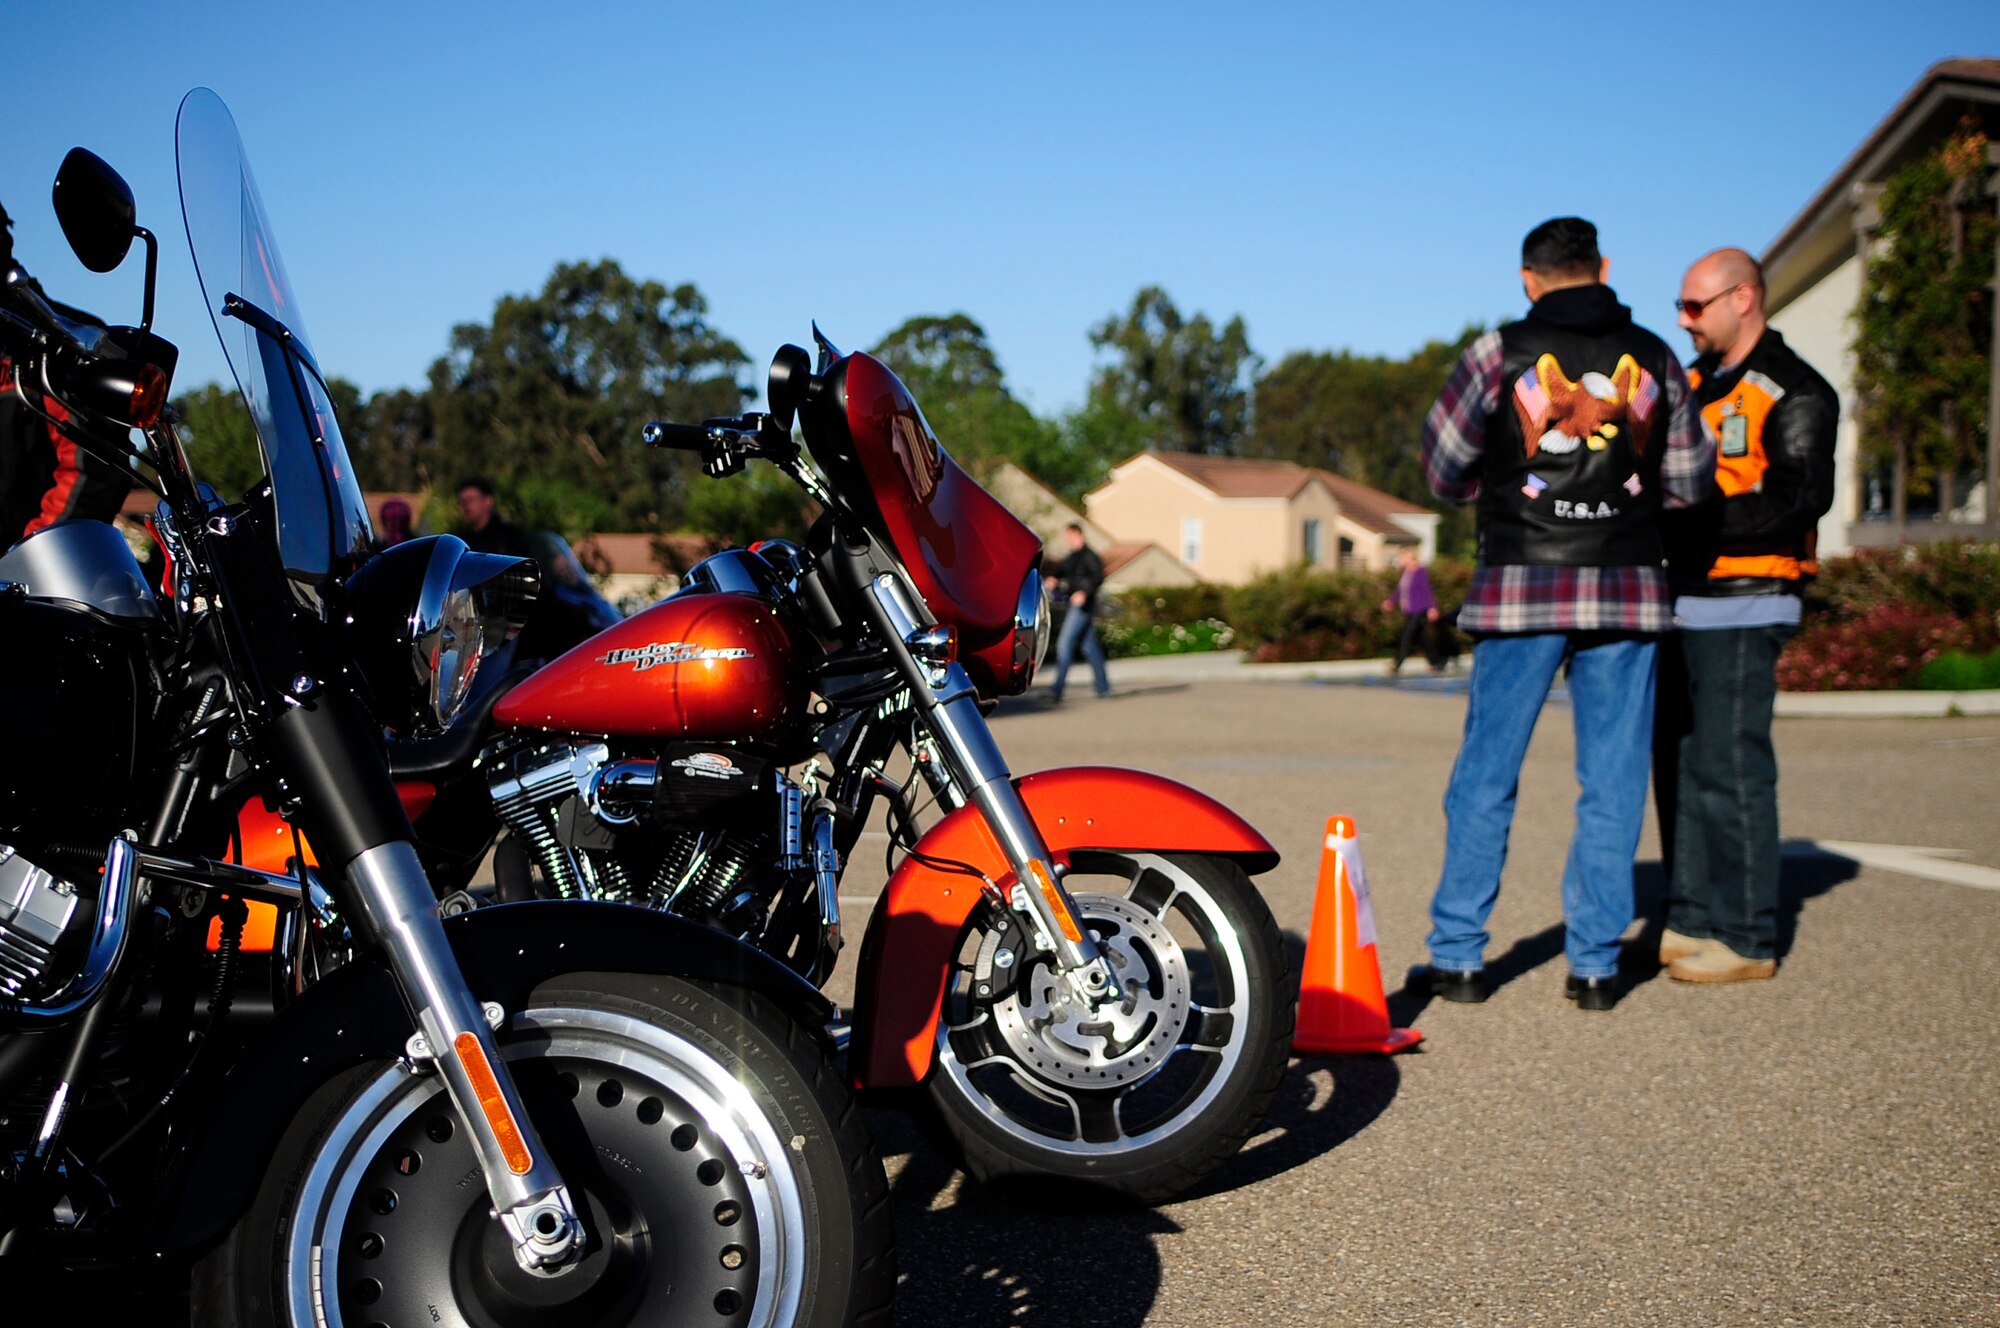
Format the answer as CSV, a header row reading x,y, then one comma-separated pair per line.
x,y
1079,626
1611,697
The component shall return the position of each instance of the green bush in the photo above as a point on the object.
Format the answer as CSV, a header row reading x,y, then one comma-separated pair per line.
x,y
1961,671
1164,620
1924,616
1152,606
1299,614
1122,642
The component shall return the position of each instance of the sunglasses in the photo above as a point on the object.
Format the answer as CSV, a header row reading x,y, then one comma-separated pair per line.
x,y
1693,308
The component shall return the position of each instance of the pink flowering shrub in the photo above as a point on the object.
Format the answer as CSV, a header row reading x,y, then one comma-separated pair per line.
x,y
1886,647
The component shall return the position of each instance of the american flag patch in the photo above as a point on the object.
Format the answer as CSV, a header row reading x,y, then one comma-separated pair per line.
x,y
1645,395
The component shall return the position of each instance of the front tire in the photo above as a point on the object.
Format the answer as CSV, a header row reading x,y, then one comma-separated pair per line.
x,y
1144,1098
723,1173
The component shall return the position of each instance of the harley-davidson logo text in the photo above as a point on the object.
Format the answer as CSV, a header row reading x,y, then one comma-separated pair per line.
x,y
650,656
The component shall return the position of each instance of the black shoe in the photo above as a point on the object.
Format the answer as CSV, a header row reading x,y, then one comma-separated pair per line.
x,y
1448,984
1591,993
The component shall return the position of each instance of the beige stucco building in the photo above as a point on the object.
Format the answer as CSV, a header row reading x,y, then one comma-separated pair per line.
x,y
1231,519
1127,562
1813,275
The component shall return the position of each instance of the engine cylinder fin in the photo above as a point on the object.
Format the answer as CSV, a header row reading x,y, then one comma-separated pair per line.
x,y
528,786
36,908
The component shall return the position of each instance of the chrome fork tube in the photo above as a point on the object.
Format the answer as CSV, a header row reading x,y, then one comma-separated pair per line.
x,y
949,706
396,907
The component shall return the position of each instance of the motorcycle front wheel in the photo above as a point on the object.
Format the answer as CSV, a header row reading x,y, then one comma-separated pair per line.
x,y
1141,1097
723,1174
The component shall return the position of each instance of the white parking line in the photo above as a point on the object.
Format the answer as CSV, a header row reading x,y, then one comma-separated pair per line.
x,y
1933,864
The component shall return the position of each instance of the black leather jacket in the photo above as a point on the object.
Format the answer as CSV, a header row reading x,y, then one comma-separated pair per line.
x,y
1770,527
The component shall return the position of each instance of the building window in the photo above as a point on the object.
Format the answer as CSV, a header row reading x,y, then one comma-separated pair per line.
x,y
1312,541
1190,540
1346,553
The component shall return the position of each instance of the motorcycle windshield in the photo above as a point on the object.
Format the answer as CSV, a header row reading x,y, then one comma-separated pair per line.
x,y
966,552
322,519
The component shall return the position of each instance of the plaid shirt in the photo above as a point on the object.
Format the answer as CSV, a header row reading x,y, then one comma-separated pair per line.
x,y
1535,597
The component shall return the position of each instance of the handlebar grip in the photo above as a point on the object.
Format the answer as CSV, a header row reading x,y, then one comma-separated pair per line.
x,y
687,437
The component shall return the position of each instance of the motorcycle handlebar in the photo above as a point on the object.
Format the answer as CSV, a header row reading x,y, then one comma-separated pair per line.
x,y
23,294
685,437
725,444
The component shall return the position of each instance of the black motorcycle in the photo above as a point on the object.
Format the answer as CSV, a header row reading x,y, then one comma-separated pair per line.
x,y
538,1113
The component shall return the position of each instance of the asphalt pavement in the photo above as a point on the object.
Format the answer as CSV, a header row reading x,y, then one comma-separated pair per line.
x,y
1815,1150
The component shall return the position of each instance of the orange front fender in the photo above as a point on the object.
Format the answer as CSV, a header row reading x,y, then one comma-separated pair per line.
x,y
908,949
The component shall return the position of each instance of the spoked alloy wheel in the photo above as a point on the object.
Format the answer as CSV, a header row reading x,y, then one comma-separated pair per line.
x,y
1144,1096
721,1190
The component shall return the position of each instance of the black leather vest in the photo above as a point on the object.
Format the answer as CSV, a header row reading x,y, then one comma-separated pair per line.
x,y
1573,453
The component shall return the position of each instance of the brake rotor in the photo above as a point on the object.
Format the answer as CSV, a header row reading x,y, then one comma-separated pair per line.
x,y
1054,1034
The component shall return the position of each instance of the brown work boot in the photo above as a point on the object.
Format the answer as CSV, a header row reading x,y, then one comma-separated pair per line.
x,y
1720,964
1674,946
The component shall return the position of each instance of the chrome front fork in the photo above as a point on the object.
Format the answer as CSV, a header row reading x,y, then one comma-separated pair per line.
x,y
455,1036
949,707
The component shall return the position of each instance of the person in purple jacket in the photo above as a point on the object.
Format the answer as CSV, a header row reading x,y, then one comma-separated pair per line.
x,y
1419,608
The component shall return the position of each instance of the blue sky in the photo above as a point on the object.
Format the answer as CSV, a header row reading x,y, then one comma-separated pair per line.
x,y
1342,176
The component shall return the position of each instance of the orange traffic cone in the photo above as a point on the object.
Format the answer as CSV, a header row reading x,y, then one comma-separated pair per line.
x,y
1341,1005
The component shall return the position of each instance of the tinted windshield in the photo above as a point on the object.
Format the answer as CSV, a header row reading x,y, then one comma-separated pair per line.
x,y
323,523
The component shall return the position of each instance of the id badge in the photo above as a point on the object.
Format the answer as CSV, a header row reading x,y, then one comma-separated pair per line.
x,y
1735,435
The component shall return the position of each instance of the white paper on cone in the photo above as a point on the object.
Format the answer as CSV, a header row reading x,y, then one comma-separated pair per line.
x,y
1357,879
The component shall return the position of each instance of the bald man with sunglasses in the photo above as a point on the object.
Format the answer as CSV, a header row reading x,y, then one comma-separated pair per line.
x,y
1738,564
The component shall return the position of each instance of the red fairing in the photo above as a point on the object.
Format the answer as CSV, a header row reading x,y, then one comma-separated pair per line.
x,y
696,666
914,931
966,552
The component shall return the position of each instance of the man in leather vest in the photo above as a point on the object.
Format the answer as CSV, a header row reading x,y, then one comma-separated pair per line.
x,y
1738,563
1570,430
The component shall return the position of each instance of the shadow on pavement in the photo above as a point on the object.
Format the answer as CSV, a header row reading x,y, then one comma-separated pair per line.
x,y
1321,1103
1021,1255
1805,871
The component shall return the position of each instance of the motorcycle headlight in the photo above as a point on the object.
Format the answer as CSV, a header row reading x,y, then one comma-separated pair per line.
x,y
1031,629
425,615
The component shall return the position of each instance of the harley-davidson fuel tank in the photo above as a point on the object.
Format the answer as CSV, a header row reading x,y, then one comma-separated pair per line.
x,y
698,665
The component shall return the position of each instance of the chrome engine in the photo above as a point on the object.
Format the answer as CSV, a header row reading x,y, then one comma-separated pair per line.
x,y
36,909
763,868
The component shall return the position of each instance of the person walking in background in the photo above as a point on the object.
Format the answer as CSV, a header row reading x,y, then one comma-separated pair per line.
x,y
1418,605
1570,429
485,530
1737,562
1076,583
394,526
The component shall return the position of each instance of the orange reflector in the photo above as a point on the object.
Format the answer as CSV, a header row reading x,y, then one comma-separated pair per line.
x,y
1040,872
149,394
491,1105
